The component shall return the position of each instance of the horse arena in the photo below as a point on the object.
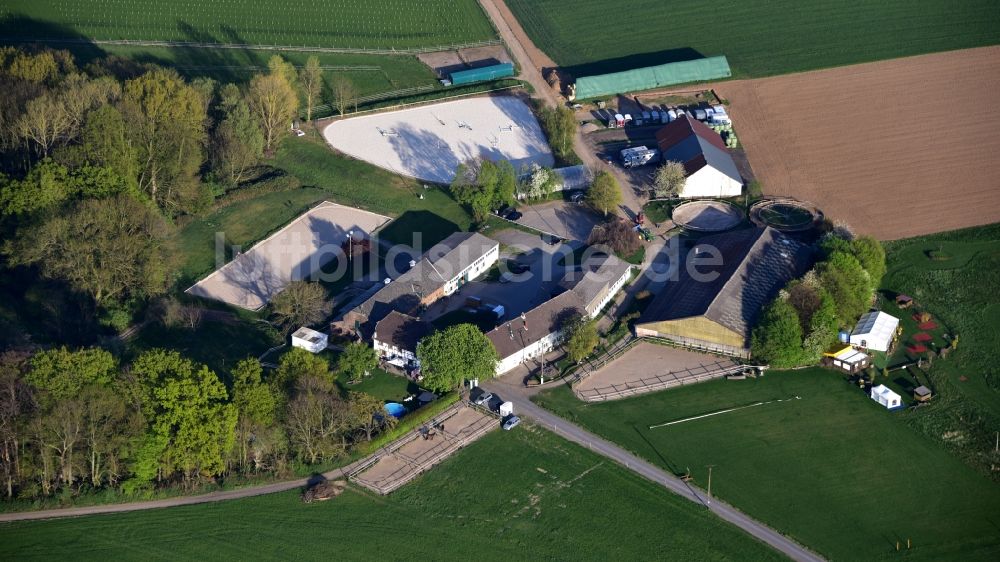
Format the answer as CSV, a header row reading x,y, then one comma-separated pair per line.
x,y
430,141
888,147
294,253
786,215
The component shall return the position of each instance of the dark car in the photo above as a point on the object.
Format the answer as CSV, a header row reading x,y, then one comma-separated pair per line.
x,y
517,268
513,215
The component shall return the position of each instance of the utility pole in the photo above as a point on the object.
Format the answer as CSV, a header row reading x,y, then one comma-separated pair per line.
x,y
350,244
710,467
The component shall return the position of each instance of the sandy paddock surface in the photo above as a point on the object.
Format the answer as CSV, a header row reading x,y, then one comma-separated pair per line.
x,y
417,455
293,253
707,216
428,142
646,361
896,148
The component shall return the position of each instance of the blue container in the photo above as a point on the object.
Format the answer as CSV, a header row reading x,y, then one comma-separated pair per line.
x,y
395,409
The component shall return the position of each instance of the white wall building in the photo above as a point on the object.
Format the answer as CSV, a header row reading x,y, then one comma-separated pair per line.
x,y
396,337
710,169
473,270
535,332
309,340
875,331
597,282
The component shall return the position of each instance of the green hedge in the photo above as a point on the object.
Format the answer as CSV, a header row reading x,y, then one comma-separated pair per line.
x,y
410,422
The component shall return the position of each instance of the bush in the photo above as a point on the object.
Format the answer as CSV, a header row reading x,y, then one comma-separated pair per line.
x,y
617,235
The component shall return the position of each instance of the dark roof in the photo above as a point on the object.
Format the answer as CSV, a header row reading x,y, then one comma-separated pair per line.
x,y
594,278
435,268
517,334
401,330
922,391
693,144
755,264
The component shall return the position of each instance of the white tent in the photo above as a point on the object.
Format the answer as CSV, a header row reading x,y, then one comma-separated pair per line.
x,y
875,331
309,340
886,397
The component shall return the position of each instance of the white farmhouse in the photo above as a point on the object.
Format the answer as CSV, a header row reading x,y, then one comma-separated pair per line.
x,y
535,332
597,281
710,169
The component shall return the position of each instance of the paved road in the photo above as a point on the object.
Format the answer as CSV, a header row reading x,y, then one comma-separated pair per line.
x,y
176,502
575,433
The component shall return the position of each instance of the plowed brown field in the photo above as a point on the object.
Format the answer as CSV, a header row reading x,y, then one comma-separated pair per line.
x,y
896,148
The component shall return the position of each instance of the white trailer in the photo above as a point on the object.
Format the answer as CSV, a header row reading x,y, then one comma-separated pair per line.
x,y
638,156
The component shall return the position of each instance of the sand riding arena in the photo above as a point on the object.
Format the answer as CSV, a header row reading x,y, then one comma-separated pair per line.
x,y
430,141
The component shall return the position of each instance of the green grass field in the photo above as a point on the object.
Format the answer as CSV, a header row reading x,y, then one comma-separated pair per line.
x,y
323,23
510,496
760,38
832,469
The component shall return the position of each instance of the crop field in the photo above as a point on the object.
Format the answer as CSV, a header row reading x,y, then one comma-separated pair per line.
x,y
350,24
760,38
826,466
488,502
878,145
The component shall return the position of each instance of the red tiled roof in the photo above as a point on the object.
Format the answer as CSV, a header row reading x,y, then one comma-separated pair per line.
x,y
695,164
684,127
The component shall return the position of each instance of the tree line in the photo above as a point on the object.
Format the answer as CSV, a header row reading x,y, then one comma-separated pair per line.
x,y
99,164
76,421
802,322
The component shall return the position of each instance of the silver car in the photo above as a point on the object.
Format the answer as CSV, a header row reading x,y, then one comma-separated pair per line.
x,y
483,399
510,423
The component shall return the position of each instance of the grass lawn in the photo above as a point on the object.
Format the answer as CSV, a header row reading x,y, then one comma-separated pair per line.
x,y
962,293
760,38
325,23
503,495
832,469
380,384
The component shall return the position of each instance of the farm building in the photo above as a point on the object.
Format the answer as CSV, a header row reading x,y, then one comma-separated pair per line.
x,y
710,169
650,77
848,359
444,268
309,340
535,333
396,337
875,331
492,72
714,304
886,397
597,281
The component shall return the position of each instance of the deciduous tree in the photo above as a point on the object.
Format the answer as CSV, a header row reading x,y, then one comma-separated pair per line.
x,y
345,94
455,354
581,337
777,338
669,179
311,80
301,304
605,194
273,103
357,360
44,123
367,414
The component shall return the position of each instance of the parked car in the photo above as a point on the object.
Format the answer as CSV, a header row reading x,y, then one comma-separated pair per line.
x,y
510,423
483,399
576,196
504,211
516,267
513,215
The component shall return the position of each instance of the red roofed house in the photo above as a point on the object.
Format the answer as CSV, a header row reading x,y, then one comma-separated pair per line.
x,y
710,169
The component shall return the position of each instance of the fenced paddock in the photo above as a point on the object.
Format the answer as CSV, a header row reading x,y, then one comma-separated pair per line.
x,y
428,142
648,367
295,252
411,455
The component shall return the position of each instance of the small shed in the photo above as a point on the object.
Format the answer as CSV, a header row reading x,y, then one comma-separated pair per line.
x,y
875,331
848,359
886,397
922,394
309,340
904,301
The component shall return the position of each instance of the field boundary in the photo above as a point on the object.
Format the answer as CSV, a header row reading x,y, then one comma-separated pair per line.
x,y
257,47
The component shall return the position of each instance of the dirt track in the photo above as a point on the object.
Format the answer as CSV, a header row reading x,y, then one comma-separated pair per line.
x,y
896,148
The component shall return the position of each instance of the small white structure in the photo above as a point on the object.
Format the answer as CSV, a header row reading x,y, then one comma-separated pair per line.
x,y
506,409
849,359
886,397
309,340
875,331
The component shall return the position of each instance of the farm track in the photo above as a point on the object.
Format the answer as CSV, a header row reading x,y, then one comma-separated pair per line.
x,y
895,148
